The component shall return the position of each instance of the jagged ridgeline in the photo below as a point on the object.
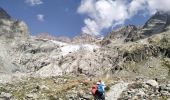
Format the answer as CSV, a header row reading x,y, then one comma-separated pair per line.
x,y
11,28
4,14
44,68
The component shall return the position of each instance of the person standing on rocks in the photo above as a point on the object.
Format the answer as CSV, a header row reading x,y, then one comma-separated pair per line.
x,y
101,90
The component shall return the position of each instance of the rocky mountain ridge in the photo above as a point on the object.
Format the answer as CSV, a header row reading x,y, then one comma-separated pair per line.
x,y
4,14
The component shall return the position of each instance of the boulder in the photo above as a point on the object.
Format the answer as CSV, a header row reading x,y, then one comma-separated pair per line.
x,y
32,95
152,83
6,95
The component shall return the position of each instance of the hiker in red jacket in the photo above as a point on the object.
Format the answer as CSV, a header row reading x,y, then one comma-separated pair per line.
x,y
94,90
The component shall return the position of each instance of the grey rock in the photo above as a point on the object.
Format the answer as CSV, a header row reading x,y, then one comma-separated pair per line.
x,y
125,34
166,93
32,95
168,85
140,93
43,87
4,14
4,98
157,23
84,38
168,82
145,86
152,83
6,95
163,87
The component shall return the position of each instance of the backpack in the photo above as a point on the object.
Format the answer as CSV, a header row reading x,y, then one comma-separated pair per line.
x,y
94,89
100,88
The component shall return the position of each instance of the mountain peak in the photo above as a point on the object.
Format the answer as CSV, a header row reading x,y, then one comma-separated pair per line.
x,y
11,28
158,23
4,14
84,38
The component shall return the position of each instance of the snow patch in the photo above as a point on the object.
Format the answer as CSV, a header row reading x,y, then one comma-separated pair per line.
x,y
70,48
59,43
73,48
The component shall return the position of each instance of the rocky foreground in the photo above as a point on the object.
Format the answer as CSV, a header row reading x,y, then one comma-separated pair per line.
x,y
134,62
73,88
146,90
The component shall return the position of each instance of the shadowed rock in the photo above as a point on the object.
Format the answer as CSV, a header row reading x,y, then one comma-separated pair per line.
x,y
156,24
4,14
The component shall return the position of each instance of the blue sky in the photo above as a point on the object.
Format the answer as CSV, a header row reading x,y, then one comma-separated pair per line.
x,y
60,17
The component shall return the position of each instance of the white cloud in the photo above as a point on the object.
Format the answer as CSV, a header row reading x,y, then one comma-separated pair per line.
x,y
137,5
34,2
158,5
87,7
91,27
104,14
101,14
40,17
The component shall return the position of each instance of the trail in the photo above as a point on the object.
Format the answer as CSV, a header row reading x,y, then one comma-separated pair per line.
x,y
116,91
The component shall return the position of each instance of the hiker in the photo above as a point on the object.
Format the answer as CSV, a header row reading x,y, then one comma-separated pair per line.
x,y
98,90
94,90
101,91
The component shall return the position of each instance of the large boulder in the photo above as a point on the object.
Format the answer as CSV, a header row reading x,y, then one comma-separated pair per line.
x,y
152,83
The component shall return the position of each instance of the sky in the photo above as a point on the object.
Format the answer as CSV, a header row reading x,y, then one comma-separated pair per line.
x,y
72,17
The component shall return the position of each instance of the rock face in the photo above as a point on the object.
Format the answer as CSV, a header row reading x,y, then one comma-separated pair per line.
x,y
64,39
6,66
126,33
12,32
12,29
84,38
157,23
4,14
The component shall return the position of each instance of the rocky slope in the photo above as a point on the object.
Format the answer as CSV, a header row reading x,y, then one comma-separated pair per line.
x,y
124,34
84,38
43,68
